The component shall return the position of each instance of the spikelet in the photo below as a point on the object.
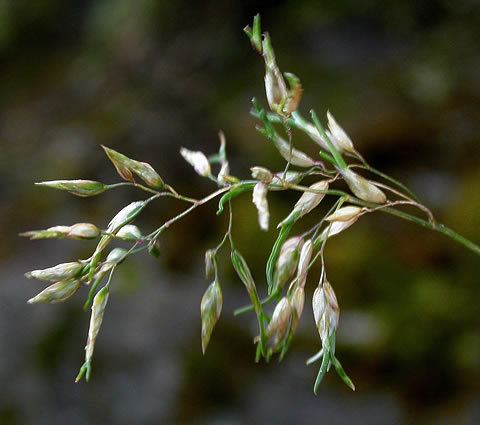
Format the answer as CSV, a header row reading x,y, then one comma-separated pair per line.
x,y
198,161
362,188
210,309
259,198
83,188
307,202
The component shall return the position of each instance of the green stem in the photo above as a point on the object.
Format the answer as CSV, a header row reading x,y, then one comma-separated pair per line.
x,y
167,224
437,227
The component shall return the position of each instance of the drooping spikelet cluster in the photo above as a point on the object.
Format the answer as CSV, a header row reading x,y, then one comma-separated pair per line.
x,y
292,255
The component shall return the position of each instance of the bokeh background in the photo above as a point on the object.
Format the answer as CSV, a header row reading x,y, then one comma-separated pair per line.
x,y
149,76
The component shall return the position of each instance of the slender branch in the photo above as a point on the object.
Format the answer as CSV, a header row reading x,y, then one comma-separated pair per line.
x,y
437,227
168,223
170,191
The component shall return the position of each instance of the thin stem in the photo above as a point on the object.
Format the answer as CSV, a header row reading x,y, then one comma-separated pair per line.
x,y
170,191
411,201
437,227
288,130
228,233
140,186
168,223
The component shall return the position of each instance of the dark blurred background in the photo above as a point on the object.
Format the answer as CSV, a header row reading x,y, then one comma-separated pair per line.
x,y
147,77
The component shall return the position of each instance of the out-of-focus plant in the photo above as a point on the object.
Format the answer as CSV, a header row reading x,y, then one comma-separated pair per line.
x,y
291,256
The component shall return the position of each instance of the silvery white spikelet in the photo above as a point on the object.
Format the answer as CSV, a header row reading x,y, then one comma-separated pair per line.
x,y
336,227
307,202
209,263
259,198
278,179
56,273
116,255
315,135
325,311
83,231
287,262
278,326
297,302
223,173
345,214
76,231
362,188
262,174
198,161
81,188
57,293
294,156
275,87
338,135
96,319
125,215
129,232
122,218
303,262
